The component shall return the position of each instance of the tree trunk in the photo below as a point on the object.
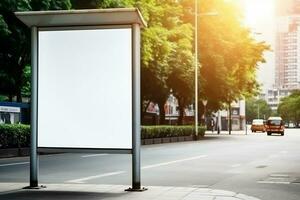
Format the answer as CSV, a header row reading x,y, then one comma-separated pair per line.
x,y
162,114
143,111
19,96
181,111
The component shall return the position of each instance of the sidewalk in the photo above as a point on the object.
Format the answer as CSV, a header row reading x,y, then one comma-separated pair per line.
x,y
14,191
242,132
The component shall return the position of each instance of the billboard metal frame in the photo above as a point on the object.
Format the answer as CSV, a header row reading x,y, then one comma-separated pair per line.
x,y
66,20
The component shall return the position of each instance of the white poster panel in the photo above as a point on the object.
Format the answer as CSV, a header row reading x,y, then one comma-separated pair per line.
x,y
85,88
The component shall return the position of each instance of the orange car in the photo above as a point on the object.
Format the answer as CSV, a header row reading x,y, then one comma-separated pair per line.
x,y
258,125
275,125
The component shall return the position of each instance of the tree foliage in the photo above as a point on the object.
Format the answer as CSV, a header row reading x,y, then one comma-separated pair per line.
x,y
93,4
167,54
228,54
15,44
289,107
257,109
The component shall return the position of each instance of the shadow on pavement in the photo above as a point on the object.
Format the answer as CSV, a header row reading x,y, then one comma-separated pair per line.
x,y
55,195
215,137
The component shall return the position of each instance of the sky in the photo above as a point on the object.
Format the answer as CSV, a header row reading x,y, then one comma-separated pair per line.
x,y
260,17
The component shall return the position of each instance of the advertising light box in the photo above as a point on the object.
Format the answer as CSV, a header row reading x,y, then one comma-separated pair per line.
x,y
85,88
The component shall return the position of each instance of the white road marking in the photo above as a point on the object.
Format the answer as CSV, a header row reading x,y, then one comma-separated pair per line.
x,y
11,164
236,165
274,182
94,155
82,180
173,162
279,176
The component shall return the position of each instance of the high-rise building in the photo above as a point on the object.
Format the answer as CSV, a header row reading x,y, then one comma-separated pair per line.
x,y
287,49
287,7
287,52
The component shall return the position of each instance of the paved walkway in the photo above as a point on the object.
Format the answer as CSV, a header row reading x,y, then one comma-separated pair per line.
x,y
14,191
242,132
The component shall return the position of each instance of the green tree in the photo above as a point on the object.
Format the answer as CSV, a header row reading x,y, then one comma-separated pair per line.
x,y
166,54
93,4
257,109
228,53
15,44
289,107
181,77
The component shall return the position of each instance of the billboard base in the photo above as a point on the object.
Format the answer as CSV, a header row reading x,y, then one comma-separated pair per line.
x,y
34,187
136,190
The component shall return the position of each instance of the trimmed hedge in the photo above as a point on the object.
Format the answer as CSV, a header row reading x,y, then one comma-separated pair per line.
x,y
18,135
14,135
149,132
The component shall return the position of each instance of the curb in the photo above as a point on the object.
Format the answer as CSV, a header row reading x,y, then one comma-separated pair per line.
x,y
53,191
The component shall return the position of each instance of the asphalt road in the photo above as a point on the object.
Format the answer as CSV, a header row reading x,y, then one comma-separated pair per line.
x,y
266,167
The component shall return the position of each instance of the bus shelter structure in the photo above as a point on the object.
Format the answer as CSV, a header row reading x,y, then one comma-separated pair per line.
x,y
85,83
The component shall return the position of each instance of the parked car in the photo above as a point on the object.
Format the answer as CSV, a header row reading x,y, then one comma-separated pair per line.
x,y
258,125
275,125
286,125
292,125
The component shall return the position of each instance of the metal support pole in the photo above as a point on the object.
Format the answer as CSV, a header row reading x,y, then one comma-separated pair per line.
x,y
246,126
136,106
33,148
33,138
219,122
246,118
196,68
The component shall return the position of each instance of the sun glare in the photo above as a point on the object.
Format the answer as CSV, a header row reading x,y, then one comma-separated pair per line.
x,y
258,10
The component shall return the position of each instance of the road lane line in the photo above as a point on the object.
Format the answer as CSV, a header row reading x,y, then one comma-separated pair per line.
x,y
173,162
83,180
11,164
275,182
94,155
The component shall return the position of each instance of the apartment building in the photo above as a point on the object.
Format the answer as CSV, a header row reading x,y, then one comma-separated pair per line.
x,y
287,53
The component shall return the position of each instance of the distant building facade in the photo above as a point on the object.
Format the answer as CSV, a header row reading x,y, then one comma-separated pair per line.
x,y
274,95
238,117
287,52
287,7
171,109
14,113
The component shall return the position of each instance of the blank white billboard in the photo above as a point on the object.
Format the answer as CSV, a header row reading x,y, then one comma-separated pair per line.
x,y
85,88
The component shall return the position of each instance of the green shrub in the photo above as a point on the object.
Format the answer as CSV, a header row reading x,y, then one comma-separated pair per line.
x,y
149,132
14,135
18,135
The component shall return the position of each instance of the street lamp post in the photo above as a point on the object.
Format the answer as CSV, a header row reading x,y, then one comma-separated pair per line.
x,y
196,68
257,111
196,61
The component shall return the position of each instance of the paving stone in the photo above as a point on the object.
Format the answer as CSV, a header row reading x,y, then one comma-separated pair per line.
x,y
223,193
225,198
198,197
116,192
245,197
